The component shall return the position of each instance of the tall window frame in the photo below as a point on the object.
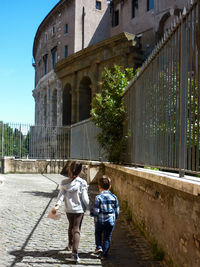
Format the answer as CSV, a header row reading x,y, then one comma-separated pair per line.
x,y
66,28
54,56
133,7
115,18
98,5
66,50
45,61
53,29
150,4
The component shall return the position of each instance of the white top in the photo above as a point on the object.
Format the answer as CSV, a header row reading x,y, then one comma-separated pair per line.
x,y
75,195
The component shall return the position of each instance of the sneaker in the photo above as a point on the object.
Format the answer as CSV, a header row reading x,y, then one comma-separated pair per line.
x,y
98,251
75,257
69,247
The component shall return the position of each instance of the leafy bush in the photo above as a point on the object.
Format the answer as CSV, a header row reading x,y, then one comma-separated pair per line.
x,y
108,112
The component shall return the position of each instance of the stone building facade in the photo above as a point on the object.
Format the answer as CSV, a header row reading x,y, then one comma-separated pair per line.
x,y
78,38
71,26
147,19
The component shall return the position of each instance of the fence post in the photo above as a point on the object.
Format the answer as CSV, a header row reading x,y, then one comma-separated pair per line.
x,y
183,100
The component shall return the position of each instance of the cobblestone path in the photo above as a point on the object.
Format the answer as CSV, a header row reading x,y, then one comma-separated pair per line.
x,y
29,238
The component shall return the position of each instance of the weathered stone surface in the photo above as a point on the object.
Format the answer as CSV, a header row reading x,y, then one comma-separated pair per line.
x,y
165,207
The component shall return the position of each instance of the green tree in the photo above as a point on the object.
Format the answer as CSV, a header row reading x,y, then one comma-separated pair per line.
x,y
108,112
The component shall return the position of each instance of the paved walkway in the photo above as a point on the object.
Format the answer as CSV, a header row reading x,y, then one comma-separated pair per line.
x,y
29,238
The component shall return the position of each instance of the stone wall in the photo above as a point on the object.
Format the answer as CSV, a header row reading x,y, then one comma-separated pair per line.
x,y
166,208
12,165
92,169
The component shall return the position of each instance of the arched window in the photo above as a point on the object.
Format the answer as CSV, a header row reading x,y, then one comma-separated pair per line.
x,y
67,105
45,109
85,97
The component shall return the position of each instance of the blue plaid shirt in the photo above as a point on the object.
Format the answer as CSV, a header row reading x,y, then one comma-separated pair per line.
x,y
106,207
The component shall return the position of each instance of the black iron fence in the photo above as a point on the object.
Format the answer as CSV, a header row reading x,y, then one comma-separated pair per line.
x,y
37,142
163,101
50,142
83,144
14,139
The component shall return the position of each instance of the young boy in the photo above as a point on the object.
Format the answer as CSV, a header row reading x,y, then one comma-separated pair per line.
x,y
105,212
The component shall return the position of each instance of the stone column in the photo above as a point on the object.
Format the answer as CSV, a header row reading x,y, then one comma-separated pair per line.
x,y
40,105
48,92
35,95
37,118
59,102
50,106
43,106
94,73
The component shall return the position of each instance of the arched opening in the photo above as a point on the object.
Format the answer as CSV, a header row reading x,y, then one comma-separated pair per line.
x,y
67,105
45,109
160,31
165,22
37,109
54,108
85,97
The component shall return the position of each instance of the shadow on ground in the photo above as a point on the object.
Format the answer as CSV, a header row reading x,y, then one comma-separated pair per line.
x,y
52,194
60,257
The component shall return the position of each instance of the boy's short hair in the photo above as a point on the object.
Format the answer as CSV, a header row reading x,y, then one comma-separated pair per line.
x,y
104,182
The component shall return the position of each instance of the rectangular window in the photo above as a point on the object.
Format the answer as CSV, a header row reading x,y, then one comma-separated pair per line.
x,y
150,4
115,18
66,28
53,30
54,56
134,6
98,5
66,51
45,57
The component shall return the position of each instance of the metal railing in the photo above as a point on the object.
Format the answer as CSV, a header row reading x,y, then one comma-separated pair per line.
x,y
36,142
83,143
14,139
49,142
163,101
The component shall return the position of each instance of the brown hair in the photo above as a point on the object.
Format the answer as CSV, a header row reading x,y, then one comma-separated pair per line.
x,y
74,169
104,182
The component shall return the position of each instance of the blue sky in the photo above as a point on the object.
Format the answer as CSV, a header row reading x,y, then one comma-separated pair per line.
x,y
19,21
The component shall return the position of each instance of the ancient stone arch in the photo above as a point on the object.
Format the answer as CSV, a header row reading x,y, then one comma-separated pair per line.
x,y
166,18
83,70
85,98
45,108
67,105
